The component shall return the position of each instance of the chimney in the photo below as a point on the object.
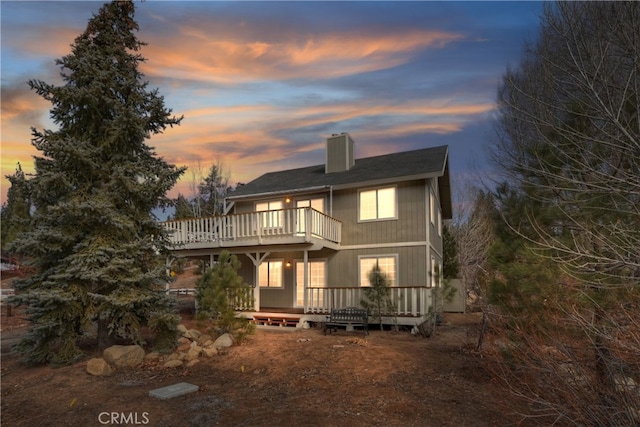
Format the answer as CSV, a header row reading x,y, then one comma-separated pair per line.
x,y
340,156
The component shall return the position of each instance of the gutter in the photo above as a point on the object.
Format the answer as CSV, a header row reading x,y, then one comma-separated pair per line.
x,y
280,192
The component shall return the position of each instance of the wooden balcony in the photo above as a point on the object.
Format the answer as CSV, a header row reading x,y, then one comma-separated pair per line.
x,y
277,227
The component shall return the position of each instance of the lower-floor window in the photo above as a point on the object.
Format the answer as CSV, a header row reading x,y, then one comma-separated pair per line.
x,y
386,263
270,274
436,276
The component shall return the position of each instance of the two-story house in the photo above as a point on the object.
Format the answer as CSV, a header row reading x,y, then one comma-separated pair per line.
x,y
308,237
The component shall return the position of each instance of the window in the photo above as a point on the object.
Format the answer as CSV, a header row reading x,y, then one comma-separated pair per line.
x,y
270,274
317,204
317,279
377,204
432,202
387,265
273,213
436,276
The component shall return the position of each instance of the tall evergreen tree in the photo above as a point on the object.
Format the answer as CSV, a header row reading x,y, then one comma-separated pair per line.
x,y
96,247
183,208
212,191
16,212
450,263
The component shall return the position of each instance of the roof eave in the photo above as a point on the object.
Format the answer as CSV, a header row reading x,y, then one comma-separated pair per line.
x,y
278,193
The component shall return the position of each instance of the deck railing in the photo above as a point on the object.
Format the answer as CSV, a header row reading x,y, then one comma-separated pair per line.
x,y
241,299
255,226
407,300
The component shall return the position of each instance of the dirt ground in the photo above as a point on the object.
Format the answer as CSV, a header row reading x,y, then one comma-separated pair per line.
x,y
277,377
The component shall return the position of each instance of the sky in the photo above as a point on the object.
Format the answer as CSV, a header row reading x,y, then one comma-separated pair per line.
x,y
261,85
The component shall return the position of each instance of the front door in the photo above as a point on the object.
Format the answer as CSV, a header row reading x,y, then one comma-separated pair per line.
x,y
316,204
317,274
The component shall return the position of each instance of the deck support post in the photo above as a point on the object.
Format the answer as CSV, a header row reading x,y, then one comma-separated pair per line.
x,y
257,260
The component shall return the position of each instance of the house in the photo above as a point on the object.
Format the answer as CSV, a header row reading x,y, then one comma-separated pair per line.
x,y
308,237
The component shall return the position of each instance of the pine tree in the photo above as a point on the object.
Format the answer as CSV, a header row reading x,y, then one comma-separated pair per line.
x,y
16,212
377,297
96,247
183,208
212,191
450,263
217,289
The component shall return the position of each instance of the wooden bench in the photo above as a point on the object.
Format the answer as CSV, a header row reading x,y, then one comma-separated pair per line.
x,y
348,317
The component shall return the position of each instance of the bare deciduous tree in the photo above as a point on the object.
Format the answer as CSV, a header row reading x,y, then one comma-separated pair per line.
x,y
472,229
569,151
569,138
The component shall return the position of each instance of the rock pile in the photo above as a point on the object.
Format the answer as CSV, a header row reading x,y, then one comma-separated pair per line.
x,y
192,345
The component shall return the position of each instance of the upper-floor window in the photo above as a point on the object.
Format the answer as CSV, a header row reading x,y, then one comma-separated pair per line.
x,y
317,204
432,202
379,203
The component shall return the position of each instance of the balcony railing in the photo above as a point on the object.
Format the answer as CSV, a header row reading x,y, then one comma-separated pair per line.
x,y
298,225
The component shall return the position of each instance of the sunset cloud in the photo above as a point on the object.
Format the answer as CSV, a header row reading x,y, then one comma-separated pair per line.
x,y
262,84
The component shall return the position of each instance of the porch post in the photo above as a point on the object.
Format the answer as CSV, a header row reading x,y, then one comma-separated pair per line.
x,y
306,280
256,289
257,260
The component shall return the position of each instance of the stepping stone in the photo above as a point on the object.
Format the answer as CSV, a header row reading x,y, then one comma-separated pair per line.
x,y
174,390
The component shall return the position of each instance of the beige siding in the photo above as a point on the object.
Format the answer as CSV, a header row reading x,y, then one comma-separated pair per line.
x,y
408,227
404,237
412,267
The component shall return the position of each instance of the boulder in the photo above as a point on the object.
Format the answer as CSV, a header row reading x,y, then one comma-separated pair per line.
x,y
202,339
99,367
182,329
124,355
173,364
210,352
152,356
183,347
193,353
192,334
193,363
223,341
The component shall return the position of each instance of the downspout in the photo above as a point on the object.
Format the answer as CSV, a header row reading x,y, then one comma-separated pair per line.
x,y
306,280
428,225
331,201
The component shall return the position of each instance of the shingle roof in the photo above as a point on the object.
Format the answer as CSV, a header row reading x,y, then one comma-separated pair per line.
x,y
427,162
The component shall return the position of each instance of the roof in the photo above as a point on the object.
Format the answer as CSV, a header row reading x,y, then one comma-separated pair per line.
x,y
396,167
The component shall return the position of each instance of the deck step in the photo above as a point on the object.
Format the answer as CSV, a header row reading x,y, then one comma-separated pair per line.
x,y
275,320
